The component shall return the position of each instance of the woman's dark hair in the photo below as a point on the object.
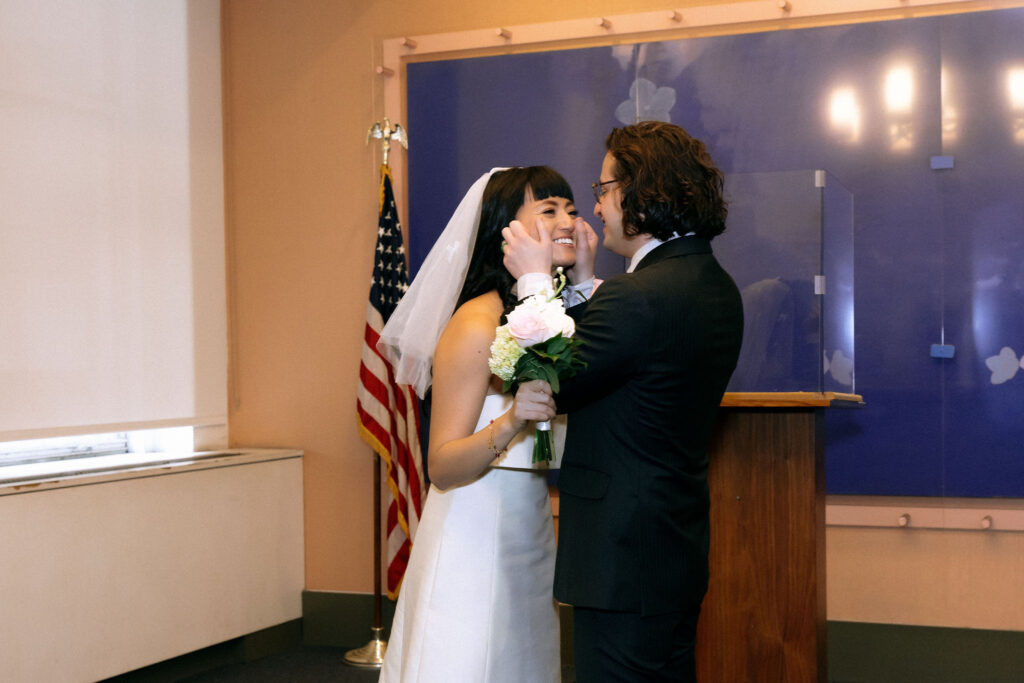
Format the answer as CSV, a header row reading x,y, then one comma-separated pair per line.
x,y
503,197
668,182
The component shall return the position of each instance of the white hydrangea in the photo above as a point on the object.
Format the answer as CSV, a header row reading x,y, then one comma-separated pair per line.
x,y
505,352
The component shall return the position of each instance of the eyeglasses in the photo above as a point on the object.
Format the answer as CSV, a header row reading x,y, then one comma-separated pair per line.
x,y
599,189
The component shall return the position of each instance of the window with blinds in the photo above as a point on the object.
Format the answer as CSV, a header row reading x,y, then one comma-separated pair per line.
x,y
112,294
62,448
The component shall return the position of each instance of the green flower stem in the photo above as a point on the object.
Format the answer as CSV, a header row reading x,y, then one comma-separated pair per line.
x,y
560,279
543,449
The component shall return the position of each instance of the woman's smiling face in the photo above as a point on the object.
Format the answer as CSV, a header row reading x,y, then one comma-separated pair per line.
x,y
557,215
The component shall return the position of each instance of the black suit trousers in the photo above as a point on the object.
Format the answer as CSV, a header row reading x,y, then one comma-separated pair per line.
x,y
626,647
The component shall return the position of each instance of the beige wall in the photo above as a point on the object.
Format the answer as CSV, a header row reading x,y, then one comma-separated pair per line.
x,y
926,577
300,93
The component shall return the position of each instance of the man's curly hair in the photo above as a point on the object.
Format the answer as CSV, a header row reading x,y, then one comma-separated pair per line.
x,y
667,180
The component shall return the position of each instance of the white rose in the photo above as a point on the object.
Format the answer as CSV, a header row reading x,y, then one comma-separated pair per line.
x,y
556,320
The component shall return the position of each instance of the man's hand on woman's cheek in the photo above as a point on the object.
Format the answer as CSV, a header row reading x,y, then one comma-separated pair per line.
x,y
524,253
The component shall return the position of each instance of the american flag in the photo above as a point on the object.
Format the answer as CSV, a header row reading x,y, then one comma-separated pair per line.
x,y
388,413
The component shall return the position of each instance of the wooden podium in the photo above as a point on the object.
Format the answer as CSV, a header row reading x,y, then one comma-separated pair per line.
x,y
763,618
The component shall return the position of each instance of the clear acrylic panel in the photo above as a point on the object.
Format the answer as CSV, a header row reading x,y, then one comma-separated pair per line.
x,y
776,248
837,314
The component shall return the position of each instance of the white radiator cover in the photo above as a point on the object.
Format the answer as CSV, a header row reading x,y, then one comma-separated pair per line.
x,y
101,575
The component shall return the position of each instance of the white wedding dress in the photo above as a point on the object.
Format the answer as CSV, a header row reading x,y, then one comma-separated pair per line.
x,y
476,605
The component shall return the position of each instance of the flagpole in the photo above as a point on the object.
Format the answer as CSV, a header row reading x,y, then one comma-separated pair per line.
x,y
371,655
378,598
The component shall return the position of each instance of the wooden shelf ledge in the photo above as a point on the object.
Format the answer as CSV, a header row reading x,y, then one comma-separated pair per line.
x,y
790,399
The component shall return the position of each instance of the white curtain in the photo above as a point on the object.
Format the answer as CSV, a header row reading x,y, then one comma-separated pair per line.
x,y
112,286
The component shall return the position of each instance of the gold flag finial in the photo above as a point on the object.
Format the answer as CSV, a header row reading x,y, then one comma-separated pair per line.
x,y
386,133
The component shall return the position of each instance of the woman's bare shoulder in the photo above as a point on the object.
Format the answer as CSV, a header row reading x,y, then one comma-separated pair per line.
x,y
473,323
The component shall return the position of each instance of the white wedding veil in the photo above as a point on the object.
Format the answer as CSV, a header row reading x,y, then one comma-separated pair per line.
x,y
410,336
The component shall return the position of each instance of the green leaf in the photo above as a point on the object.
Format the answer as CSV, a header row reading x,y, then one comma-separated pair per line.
x,y
556,345
552,378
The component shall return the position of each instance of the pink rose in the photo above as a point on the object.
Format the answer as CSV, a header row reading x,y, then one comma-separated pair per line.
x,y
537,319
526,324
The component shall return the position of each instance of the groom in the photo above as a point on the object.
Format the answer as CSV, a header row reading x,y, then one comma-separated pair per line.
x,y
660,343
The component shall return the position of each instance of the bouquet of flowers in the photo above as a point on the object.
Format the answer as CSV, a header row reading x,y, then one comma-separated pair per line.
x,y
537,343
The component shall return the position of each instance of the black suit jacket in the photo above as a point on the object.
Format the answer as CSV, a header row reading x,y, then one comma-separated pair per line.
x,y
660,345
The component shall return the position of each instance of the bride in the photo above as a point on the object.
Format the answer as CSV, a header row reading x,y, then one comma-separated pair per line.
x,y
476,604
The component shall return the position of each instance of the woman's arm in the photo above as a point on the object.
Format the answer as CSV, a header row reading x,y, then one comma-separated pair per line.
x,y
461,378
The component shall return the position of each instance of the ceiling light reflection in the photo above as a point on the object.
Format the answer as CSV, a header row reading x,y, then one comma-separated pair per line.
x,y
844,114
1015,91
899,100
1015,86
950,115
899,90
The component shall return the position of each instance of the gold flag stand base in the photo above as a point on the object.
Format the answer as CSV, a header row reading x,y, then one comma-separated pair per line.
x,y
371,655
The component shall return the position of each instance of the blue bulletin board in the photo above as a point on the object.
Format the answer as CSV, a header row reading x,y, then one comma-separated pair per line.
x,y
920,122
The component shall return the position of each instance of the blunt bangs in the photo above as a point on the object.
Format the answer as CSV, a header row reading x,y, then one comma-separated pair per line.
x,y
545,182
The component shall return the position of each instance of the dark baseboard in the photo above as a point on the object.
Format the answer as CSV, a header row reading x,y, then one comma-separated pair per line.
x,y
342,619
868,653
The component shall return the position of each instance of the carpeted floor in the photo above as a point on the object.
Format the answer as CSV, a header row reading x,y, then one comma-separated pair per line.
x,y
303,665
300,665
226,664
